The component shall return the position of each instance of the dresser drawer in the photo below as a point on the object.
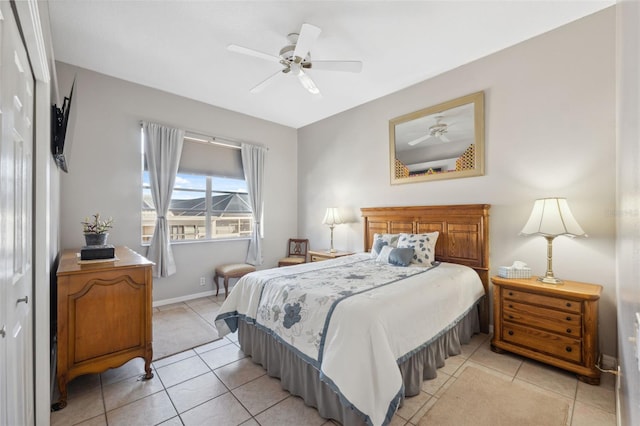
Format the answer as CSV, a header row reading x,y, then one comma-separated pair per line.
x,y
548,319
538,299
315,258
542,341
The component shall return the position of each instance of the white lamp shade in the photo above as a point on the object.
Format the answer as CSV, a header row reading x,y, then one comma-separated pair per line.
x,y
332,217
552,217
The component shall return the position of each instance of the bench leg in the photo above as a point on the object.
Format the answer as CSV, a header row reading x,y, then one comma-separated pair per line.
x,y
215,280
226,286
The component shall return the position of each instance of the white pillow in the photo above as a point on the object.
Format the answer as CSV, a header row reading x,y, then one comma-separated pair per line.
x,y
424,247
378,242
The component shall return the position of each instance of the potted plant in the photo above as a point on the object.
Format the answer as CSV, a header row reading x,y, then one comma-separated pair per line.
x,y
95,230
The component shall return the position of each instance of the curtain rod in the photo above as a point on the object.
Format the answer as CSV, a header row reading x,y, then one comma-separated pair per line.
x,y
215,140
192,136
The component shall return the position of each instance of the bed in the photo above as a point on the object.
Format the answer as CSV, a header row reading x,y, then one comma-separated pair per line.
x,y
353,336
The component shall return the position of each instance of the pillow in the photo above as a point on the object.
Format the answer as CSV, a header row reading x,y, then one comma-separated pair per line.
x,y
378,244
395,256
424,247
390,239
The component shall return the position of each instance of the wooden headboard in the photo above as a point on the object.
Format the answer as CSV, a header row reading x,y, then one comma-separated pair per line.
x,y
463,239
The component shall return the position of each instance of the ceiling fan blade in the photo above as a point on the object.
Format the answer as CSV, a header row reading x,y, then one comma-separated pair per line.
x,y
420,139
307,38
266,82
344,66
308,83
251,52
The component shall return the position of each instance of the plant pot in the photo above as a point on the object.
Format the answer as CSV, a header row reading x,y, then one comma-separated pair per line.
x,y
96,239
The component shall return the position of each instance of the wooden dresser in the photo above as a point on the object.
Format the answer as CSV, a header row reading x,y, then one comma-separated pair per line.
x,y
551,323
320,255
104,315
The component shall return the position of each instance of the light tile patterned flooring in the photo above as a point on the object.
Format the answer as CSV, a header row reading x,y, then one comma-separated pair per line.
x,y
215,384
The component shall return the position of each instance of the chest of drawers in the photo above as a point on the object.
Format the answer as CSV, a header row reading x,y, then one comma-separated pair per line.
x,y
104,315
554,324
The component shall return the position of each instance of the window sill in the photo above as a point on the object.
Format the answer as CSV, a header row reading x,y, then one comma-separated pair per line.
x,y
203,240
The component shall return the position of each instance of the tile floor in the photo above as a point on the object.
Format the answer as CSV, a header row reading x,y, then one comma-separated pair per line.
x,y
215,384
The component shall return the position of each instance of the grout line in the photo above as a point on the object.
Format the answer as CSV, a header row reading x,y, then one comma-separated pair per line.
x,y
485,343
571,413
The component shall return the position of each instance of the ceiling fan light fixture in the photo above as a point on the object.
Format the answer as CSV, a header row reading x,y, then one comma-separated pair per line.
x,y
439,128
307,83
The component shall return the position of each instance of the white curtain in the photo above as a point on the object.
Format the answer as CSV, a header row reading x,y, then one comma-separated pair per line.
x,y
162,149
253,159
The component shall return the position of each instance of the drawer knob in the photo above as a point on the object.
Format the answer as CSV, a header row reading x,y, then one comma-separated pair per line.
x,y
510,293
510,332
569,330
510,316
568,304
568,349
568,318
511,306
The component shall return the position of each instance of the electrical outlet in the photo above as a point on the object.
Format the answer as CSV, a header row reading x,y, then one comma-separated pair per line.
x,y
202,281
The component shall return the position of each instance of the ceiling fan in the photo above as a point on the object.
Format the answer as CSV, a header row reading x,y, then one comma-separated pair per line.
x,y
296,59
438,131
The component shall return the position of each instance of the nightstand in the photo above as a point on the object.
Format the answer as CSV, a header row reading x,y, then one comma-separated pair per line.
x,y
552,323
319,255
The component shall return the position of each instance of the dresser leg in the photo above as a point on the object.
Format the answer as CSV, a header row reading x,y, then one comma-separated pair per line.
x,y
147,368
497,350
59,405
62,387
589,380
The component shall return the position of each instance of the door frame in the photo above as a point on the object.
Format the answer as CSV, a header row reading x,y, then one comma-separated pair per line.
x,y
33,20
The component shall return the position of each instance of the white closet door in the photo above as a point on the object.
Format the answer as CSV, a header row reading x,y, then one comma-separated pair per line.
x,y
16,223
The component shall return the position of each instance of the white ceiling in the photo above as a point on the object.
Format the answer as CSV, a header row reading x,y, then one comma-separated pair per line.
x,y
179,46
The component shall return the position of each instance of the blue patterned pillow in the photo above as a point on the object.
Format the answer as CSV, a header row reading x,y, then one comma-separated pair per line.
x,y
395,256
379,240
424,247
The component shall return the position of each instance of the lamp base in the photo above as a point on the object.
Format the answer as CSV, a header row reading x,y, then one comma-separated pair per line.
x,y
550,280
332,250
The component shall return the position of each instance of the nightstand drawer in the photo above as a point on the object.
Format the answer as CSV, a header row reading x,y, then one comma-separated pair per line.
x,y
320,255
538,299
542,341
548,319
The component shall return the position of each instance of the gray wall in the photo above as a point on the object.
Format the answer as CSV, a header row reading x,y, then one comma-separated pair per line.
x,y
550,131
105,172
628,208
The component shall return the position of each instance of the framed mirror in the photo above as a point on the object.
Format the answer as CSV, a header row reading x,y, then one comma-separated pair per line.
x,y
444,141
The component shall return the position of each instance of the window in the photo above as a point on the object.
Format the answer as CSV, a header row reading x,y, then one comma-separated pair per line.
x,y
209,199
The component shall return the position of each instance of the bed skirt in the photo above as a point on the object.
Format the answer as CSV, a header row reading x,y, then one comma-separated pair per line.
x,y
302,379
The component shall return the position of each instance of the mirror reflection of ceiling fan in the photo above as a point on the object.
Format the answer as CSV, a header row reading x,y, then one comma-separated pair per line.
x,y
437,131
295,59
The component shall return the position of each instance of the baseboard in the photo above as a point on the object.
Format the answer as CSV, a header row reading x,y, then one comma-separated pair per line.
x,y
609,362
183,298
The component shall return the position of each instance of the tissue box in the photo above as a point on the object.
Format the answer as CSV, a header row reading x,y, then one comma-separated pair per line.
x,y
511,272
97,252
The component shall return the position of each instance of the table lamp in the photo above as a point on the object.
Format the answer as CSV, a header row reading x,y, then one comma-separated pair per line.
x,y
551,217
332,218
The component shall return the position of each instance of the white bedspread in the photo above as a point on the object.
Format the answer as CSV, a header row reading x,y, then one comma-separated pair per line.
x,y
357,349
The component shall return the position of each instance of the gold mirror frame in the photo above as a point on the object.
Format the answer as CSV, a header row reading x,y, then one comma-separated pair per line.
x,y
445,141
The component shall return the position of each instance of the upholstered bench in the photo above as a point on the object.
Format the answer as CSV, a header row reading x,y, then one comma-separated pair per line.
x,y
231,270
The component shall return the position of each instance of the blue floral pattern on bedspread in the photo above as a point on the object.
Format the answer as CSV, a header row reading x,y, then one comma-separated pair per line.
x,y
297,308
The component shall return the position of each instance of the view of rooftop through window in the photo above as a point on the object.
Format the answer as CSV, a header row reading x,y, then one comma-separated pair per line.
x,y
202,207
